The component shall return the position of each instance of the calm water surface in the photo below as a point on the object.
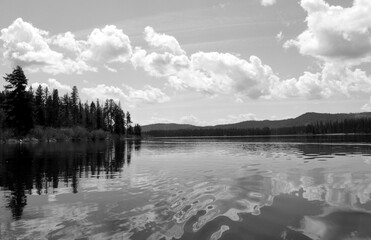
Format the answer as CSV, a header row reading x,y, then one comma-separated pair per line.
x,y
186,189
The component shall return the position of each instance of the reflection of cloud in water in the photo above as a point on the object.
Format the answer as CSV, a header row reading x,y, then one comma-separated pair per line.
x,y
338,189
337,225
62,220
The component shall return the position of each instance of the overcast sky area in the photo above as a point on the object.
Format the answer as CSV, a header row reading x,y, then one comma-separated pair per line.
x,y
199,62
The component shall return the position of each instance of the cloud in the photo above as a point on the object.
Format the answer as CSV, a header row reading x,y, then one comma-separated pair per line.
x,y
33,48
35,85
53,83
232,118
209,72
129,95
267,2
367,106
147,95
108,44
214,73
28,46
333,80
110,69
279,36
162,41
334,33
67,41
191,119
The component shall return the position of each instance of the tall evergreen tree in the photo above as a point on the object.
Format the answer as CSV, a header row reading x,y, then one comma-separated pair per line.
x,y
74,105
18,103
39,106
93,116
49,111
100,124
66,111
56,109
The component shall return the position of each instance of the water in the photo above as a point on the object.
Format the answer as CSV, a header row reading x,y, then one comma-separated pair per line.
x,y
187,189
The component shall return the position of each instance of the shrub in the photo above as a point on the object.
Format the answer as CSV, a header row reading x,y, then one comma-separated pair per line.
x,y
80,133
98,135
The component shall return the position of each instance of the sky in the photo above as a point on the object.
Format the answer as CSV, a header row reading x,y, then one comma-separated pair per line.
x,y
196,62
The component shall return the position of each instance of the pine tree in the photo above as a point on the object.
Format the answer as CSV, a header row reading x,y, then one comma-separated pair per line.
x,y
39,106
56,109
74,105
18,102
100,124
93,116
49,111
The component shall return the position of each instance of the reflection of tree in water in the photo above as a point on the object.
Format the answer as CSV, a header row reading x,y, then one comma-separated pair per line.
x,y
45,166
17,179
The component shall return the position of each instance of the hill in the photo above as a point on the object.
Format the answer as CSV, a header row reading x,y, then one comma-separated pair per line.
x,y
302,120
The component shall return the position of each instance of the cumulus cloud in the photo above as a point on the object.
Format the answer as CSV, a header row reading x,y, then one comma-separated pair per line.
x,y
53,83
335,33
109,44
267,2
213,73
35,85
28,46
33,48
67,41
147,95
130,96
367,106
162,41
209,72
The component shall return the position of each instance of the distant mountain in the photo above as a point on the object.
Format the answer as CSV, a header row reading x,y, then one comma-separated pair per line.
x,y
302,120
167,126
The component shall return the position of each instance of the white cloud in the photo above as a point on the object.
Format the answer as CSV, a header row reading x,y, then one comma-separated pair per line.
x,y
28,46
367,106
104,92
191,119
35,85
110,69
279,36
162,41
32,48
213,73
147,95
67,41
235,118
107,45
53,83
129,95
335,33
267,2
333,80
209,72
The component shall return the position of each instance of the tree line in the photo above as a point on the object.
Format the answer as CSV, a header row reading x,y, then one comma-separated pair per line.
x,y
357,125
23,108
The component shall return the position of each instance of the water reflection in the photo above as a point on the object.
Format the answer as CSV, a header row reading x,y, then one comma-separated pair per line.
x,y
43,168
177,189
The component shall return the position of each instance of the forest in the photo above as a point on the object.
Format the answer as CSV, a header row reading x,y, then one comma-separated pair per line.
x,y
42,114
347,126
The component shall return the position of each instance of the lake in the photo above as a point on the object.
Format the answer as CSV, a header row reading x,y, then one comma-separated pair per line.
x,y
240,188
